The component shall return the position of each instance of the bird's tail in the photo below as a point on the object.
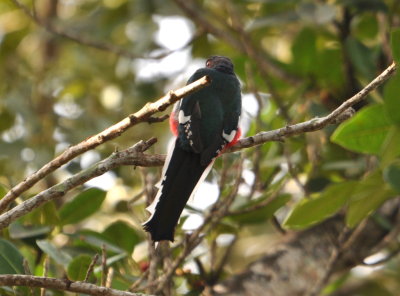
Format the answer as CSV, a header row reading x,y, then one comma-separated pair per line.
x,y
183,172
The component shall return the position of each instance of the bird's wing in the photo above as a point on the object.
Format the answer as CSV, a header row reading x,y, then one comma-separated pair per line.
x,y
229,132
190,116
189,120
228,135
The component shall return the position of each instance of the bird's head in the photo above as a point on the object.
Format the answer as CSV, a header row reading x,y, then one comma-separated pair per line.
x,y
220,63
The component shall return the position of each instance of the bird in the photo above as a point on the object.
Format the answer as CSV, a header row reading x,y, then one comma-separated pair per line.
x,y
205,123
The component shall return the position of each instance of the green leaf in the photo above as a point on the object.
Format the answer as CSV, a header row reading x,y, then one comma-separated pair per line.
x,y
262,214
57,255
304,51
10,259
392,176
19,231
336,284
75,89
94,240
395,44
392,98
122,235
365,132
82,206
366,27
366,198
78,267
44,215
391,146
361,57
201,46
50,214
315,209
329,72
6,119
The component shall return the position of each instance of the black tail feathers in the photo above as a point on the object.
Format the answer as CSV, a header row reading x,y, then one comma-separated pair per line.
x,y
181,177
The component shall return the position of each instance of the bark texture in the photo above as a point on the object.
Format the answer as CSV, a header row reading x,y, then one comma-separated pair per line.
x,y
302,265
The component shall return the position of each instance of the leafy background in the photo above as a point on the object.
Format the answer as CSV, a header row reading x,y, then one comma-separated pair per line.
x,y
56,92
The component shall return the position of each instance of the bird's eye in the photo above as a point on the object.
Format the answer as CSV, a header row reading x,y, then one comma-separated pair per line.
x,y
208,64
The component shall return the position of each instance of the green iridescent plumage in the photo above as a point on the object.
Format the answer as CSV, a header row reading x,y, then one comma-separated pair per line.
x,y
207,122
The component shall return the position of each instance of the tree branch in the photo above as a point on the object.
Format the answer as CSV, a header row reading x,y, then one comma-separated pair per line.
x,y
336,116
61,284
135,156
108,134
131,156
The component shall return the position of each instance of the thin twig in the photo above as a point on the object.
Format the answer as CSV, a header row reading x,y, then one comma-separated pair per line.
x,y
91,267
108,134
165,253
28,271
213,254
153,119
136,197
46,265
60,284
139,281
223,173
200,267
104,269
154,262
256,157
219,269
336,253
392,235
116,159
316,123
266,202
218,211
154,256
110,276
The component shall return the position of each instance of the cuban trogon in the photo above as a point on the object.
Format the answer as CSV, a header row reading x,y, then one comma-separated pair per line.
x,y
204,123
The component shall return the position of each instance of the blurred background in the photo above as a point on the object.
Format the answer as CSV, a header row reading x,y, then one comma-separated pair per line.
x,y
71,68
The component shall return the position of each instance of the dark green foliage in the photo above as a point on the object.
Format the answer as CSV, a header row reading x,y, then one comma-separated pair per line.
x,y
395,42
78,267
365,132
10,259
122,235
82,206
316,208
